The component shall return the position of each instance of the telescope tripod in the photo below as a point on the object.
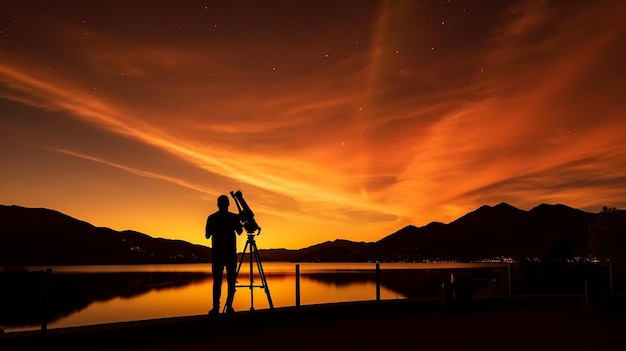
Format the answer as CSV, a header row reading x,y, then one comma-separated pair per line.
x,y
254,257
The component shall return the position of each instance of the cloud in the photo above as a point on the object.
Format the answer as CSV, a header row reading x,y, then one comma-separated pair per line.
x,y
356,115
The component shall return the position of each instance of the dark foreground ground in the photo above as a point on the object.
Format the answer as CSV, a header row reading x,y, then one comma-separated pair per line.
x,y
528,323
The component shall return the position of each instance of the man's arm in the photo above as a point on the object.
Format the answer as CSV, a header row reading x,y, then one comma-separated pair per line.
x,y
238,225
207,229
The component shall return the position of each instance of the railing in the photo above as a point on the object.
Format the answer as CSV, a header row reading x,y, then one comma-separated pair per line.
x,y
453,289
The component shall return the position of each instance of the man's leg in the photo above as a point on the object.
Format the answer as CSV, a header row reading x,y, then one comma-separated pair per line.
x,y
217,285
231,278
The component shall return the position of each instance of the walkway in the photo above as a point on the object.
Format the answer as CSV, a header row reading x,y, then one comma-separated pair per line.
x,y
529,323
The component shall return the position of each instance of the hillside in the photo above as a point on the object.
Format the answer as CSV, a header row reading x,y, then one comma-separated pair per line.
x,y
546,231
36,236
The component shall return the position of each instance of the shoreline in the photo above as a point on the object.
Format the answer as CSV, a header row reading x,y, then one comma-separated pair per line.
x,y
369,318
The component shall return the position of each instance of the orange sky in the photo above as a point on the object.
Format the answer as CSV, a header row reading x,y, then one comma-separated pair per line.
x,y
336,119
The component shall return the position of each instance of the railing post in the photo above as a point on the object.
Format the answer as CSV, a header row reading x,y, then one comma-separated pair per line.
x,y
453,286
46,301
297,285
377,281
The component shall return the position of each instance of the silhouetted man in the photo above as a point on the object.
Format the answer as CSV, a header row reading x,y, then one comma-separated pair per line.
x,y
221,226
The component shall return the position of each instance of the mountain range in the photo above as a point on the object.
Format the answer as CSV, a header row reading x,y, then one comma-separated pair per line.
x,y
39,236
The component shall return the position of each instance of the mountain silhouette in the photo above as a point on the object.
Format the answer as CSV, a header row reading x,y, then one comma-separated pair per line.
x,y
38,236
546,231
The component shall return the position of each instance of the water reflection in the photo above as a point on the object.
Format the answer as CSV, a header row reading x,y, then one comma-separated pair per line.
x,y
23,295
84,295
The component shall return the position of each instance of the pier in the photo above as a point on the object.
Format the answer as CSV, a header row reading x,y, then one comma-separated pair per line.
x,y
511,323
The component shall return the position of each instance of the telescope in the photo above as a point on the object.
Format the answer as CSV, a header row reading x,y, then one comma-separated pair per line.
x,y
246,216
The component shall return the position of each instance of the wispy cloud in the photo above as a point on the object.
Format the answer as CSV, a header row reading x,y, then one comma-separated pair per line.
x,y
360,117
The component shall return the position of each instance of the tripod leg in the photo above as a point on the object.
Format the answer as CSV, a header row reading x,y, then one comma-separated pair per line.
x,y
243,255
252,247
262,274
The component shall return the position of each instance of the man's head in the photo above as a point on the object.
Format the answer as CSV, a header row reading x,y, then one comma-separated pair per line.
x,y
223,202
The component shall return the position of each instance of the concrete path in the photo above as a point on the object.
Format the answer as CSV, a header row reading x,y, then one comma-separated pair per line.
x,y
555,323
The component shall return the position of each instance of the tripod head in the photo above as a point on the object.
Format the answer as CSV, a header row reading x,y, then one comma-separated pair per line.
x,y
246,216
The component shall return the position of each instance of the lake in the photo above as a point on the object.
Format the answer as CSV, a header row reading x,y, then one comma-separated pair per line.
x,y
87,295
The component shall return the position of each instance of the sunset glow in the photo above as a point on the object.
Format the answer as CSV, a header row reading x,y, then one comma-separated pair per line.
x,y
336,120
